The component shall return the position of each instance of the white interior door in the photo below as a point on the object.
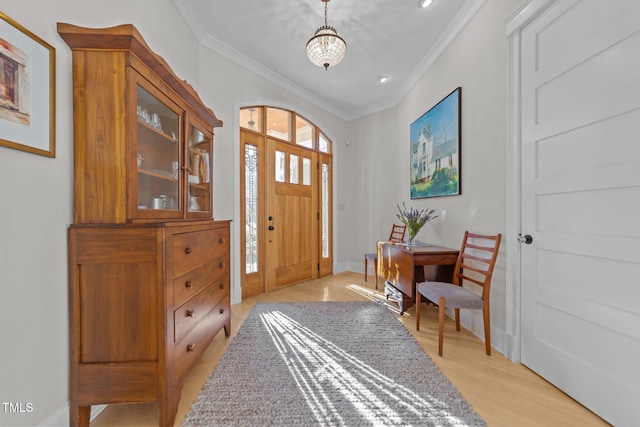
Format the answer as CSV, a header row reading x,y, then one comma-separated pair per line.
x,y
580,134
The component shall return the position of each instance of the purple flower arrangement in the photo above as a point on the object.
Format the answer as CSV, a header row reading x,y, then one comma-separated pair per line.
x,y
414,219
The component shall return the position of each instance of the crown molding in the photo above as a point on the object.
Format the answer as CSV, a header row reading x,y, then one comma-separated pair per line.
x,y
462,18
193,21
250,64
458,23
190,16
456,26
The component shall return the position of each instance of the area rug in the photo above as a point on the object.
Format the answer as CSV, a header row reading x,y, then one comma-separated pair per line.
x,y
327,364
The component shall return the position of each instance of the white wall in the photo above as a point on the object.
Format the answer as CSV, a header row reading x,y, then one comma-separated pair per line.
x,y
379,147
36,192
36,207
371,173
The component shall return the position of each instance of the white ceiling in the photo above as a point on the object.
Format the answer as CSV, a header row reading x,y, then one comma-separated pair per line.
x,y
384,37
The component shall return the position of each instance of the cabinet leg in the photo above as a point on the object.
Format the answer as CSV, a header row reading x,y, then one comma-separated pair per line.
x,y
79,416
168,410
227,328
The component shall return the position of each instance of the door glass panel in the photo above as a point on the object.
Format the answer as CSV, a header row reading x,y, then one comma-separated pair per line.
x,y
199,178
280,166
279,123
323,143
251,118
251,207
306,171
158,154
294,172
325,210
304,132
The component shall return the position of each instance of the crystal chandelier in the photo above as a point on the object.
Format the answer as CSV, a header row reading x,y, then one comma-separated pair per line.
x,y
251,123
326,48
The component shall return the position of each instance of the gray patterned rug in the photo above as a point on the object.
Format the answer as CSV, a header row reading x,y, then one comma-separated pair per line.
x,y
327,364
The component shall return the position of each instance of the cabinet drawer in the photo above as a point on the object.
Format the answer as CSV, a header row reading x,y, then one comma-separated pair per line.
x,y
197,340
190,313
185,287
191,250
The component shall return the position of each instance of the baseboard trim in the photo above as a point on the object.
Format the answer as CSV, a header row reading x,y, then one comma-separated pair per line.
x,y
60,418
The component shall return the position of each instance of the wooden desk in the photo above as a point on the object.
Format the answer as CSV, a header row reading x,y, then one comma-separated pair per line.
x,y
403,266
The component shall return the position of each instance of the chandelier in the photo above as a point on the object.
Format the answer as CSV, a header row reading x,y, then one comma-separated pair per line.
x,y
326,48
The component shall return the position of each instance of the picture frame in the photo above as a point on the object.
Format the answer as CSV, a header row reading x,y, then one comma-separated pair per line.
x,y
435,139
27,90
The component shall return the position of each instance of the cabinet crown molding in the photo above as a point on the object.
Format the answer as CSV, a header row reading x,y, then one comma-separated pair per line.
x,y
126,37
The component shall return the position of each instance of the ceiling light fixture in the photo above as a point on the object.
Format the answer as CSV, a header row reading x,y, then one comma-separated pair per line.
x,y
425,3
383,79
326,48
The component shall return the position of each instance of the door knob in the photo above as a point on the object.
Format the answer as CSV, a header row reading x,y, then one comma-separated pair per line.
x,y
526,239
271,227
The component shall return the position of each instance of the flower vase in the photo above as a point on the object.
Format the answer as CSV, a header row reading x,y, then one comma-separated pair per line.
x,y
412,236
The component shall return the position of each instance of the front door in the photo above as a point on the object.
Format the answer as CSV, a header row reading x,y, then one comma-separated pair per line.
x,y
292,214
580,109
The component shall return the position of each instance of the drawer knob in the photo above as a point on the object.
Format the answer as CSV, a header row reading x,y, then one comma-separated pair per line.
x,y
187,250
222,311
188,284
221,240
191,312
221,285
191,348
221,265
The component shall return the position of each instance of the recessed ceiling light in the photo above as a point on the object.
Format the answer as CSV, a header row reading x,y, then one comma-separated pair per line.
x,y
383,79
425,3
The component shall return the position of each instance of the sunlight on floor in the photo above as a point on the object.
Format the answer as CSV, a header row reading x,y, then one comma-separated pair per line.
x,y
321,369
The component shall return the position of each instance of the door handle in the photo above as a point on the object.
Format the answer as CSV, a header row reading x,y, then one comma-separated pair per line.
x,y
271,228
526,239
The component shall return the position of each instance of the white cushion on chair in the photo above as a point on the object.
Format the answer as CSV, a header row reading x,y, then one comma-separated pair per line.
x,y
371,255
455,296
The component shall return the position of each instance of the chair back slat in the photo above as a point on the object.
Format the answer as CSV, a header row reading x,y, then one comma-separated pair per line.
x,y
473,268
477,258
480,248
397,233
463,264
471,279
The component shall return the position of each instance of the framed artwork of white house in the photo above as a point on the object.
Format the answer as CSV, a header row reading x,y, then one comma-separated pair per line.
x,y
435,150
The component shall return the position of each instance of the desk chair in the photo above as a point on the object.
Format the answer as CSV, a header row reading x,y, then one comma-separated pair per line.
x,y
397,236
475,264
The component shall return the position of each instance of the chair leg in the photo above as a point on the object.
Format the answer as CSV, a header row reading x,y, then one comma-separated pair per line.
x,y
487,331
440,324
375,272
366,262
458,319
418,298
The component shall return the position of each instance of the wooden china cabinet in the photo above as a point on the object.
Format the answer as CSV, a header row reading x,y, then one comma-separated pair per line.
x,y
149,270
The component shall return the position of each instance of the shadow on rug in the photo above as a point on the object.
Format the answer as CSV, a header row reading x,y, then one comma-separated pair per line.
x,y
327,364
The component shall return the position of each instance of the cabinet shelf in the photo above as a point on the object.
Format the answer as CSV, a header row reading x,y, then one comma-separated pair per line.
x,y
158,174
204,187
158,132
195,146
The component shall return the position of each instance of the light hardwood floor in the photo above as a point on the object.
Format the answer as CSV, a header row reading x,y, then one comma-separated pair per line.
x,y
503,393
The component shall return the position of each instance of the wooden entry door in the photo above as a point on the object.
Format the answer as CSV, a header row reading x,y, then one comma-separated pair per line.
x,y
580,109
292,214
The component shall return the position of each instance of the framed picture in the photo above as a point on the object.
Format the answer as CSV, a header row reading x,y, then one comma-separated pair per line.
x,y
27,90
435,150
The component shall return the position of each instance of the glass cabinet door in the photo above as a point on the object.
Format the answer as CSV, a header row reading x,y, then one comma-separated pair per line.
x,y
158,163
199,144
